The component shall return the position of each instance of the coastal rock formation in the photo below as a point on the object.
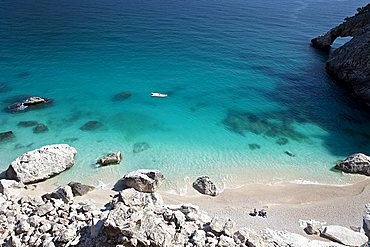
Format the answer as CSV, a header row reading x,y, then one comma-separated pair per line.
x,y
143,180
131,218
344,235
79,189
42,163
355,163
205,186
28,104
63,193
10,188
366,221
5,136
109,159
351,62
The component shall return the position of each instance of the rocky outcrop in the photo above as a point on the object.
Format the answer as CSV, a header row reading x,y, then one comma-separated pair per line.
x,y
79,189
205,186
40,128
28,104
42,163
355,163
344,235
143,180
351,62
109,159
10,188
63,193
366,221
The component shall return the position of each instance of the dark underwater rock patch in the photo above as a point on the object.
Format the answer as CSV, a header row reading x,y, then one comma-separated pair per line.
x,y
4,87
282,141
121,96
140,147
242,122
72,139
26,124
289,153
23,74
40,128
254,146
91,125
6,136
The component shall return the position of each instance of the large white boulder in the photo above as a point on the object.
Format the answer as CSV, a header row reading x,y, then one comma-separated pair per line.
x,y
143,180
344,235
41,164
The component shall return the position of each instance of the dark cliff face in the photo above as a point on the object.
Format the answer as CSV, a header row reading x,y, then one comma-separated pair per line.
x,y
350,64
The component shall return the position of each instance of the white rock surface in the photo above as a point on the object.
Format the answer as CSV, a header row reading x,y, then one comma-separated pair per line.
x,y
143,180
42,163
344,235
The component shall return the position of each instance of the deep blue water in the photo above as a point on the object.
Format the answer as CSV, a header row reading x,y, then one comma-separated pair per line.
x,y
238,73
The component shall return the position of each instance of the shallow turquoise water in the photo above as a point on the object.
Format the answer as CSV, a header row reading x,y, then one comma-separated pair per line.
x,y
237,73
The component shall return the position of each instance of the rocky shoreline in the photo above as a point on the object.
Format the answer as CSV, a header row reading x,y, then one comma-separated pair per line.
x,y
136,214
350,63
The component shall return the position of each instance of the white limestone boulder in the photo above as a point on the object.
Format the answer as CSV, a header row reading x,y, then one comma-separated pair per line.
x,y
42,163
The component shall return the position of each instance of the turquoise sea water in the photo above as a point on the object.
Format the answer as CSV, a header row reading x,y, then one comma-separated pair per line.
x,y
236,72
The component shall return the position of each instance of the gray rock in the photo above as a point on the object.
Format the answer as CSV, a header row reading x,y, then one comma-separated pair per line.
x,y
356,163
42,163
121,96
63,193
143,180
226,241
66,235
199,238
344,235
350,63
79,189
366,221
44,209
10,188
109,159
205,186
133,198
221,226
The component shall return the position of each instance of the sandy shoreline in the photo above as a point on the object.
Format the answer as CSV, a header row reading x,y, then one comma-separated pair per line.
x,y
285,203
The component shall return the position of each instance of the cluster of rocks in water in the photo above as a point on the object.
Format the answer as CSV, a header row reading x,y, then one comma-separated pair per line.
x,y
350,63
136,216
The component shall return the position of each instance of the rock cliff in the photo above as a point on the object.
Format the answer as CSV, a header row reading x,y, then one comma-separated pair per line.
x,y
350,63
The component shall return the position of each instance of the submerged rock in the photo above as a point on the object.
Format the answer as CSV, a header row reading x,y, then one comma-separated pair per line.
x,y
4,88
355,163
254,146
122,96
110,159
350,63
39,128
289,153
6,136
91,125
140,147
205,186
143,180
282,141
79,189
43,163
28,104
26,124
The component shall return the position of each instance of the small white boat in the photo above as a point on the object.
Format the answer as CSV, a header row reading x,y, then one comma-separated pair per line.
x,y
159,95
